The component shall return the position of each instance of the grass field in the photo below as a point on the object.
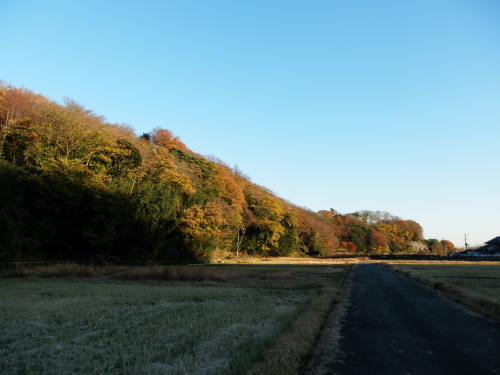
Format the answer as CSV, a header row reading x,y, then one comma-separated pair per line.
x,y
476,284
234,320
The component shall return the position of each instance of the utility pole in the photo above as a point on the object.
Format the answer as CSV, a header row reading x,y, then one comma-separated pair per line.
x,y
465,241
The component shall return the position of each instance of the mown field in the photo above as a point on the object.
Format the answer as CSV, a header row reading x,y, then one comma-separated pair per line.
x,y
176,320
476,284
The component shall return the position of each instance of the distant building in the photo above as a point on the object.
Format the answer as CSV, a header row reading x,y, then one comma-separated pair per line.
x,y
491,249
493,245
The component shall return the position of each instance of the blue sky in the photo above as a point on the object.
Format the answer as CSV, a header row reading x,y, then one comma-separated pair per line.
x,y
382,105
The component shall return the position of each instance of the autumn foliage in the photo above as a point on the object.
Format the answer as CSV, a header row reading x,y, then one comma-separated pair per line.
x,y
73,186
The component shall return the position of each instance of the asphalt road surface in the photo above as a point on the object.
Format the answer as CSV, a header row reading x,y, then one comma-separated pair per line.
x,y
395,326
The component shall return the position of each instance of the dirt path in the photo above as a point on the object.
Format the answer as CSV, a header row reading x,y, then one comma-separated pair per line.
x,y
395,326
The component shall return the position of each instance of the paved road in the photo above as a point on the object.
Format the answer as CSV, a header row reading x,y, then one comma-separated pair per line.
x,y
395,326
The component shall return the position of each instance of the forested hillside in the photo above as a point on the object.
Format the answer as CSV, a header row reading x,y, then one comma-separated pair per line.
x,y
75,187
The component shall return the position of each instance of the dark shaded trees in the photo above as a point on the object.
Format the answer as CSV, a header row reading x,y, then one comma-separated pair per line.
x,y
75,187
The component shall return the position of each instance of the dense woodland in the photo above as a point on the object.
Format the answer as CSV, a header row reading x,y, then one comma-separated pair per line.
x,y
73,187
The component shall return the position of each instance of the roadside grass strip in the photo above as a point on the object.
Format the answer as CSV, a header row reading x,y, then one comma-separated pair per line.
x,y
108,326
476,285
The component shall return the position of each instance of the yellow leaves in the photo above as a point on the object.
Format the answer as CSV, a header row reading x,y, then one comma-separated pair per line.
x,y
192,222
202,225
381,250
104,154
232,189
213,213
395,233
203,222
166,171
271,232
73,170
263,204
272,216
211,178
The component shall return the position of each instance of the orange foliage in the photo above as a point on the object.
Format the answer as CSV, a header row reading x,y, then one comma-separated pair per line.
x,y
18,103
414,229
232,189
322,225
164,138
379,238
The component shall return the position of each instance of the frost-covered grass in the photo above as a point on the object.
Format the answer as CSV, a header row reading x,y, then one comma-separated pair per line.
x,y
102,326
476,284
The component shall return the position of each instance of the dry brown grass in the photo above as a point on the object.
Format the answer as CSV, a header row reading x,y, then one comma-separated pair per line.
x,y
192,273
167,273
474,284
310,336
294,260
240,273
66,270
437,262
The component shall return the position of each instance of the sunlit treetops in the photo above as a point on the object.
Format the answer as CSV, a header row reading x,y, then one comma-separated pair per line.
x,y
76,187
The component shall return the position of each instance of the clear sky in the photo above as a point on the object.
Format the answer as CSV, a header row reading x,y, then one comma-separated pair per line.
x,y
388,105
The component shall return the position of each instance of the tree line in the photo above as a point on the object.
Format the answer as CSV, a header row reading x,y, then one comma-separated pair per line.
x,y
73,186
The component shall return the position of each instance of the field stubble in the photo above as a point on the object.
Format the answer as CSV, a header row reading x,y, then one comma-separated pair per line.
x,y
476,284
229,320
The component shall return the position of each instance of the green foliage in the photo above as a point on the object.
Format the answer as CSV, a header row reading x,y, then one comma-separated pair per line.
x,y
312,243
75,187
55,216
205,174
361,236
12,213
158,209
